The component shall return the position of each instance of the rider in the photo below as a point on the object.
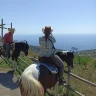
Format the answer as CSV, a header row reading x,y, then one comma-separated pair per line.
x,y
47,50
7,40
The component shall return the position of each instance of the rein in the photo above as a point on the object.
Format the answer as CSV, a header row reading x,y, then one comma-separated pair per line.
x,y
52,44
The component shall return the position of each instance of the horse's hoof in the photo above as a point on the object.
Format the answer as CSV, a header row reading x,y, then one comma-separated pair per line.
x,y
15,79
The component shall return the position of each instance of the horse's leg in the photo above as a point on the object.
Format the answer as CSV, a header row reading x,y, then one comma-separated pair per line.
x,y
14,65
56,89
43,77
0,52
16,62
52,90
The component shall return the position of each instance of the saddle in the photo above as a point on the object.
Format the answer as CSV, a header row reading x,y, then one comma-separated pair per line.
x,y
48,63
12,48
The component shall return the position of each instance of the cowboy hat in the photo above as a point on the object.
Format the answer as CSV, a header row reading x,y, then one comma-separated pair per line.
x,y
11,29
47,28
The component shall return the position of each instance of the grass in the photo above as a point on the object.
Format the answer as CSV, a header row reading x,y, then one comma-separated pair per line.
x,y
88,73
4,64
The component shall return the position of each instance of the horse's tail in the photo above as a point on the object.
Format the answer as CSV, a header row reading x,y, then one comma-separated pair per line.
x,y
30,86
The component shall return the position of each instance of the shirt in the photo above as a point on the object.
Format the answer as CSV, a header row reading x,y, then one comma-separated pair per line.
x,y
46,48
8,38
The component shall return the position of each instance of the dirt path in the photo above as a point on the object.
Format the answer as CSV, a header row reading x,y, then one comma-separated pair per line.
x,y
7,87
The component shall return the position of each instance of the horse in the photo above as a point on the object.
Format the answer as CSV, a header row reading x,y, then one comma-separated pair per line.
x,y
37,78
15,49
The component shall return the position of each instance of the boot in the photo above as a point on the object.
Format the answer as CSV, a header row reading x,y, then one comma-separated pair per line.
x,y
62,81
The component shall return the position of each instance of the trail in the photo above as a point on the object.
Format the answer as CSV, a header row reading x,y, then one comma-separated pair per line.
x,y
7,87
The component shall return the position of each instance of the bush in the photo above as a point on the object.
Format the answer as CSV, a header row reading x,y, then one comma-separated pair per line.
x,y
94,63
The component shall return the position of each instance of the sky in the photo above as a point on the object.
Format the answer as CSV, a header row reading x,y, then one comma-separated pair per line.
x,y
64,16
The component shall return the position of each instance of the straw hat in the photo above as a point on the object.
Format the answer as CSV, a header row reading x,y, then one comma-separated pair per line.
x,y
47,28
11,29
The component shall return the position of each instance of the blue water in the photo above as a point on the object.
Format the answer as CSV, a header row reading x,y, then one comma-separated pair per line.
x,y
65,42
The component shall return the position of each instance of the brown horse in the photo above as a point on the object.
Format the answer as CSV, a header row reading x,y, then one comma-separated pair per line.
x,y
37,78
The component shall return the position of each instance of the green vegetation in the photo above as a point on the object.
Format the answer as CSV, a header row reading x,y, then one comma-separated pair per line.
x,y
84,66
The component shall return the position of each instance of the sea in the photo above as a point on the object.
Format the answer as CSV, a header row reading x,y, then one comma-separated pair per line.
x,y
63,41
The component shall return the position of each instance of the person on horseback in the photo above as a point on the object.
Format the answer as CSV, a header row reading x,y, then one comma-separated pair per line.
x,y
47,50
7,40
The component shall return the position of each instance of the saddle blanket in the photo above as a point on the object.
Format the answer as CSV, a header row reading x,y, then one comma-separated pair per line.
x,y
52,69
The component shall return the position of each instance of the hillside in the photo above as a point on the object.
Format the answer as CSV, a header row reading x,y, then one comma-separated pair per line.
x,y
84,66
37,49
90,53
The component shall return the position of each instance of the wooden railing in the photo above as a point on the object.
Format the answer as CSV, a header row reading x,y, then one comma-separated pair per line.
x,y
77,77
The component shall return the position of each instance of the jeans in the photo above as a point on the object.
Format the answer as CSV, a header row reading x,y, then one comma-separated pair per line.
x,y
60,64
7,49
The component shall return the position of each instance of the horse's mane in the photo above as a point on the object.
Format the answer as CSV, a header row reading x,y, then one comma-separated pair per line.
x,y
23,42
29,86
65,54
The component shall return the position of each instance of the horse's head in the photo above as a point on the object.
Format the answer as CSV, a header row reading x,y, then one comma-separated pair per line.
x,y
69,59
66,56
25,48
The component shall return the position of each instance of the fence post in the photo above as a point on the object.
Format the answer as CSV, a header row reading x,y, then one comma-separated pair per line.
x,y
11,25
68,83
2,29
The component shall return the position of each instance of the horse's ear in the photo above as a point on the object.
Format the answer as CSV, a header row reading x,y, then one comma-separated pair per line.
x,y
62,53
71,51
26,42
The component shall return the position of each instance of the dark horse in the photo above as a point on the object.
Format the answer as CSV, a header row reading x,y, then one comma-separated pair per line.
x,y
15,49
37,78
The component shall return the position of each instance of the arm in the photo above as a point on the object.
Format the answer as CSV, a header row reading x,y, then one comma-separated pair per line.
x,y
12,38
39,40
5,38
53,39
